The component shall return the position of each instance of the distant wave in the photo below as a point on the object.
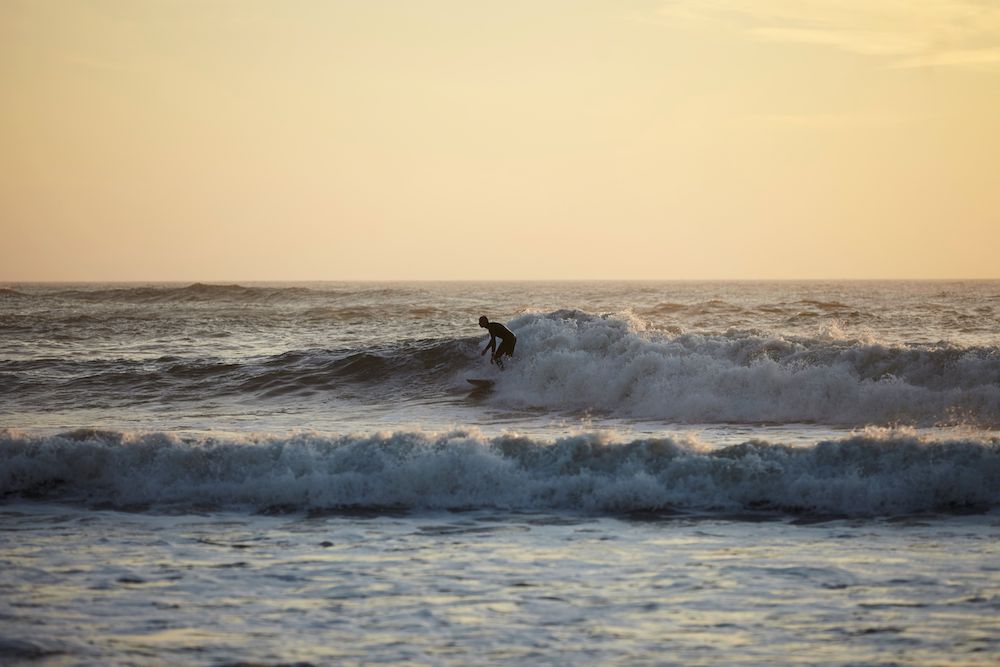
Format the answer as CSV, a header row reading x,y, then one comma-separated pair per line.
x,y
720,307
864,475
714,306
364,313
824,305
191,293
204,293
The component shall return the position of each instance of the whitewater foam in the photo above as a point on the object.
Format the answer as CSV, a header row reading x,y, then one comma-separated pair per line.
x,y
867,474
615,364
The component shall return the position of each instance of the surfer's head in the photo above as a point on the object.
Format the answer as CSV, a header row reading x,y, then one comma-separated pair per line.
x,y
483,321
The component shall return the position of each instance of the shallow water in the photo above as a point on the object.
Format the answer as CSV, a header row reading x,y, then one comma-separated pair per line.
x,y
491,588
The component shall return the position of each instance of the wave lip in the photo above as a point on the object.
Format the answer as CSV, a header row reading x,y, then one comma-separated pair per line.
x,y
868,474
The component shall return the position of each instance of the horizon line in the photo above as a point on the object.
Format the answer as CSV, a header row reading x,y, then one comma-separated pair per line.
x,y
479,280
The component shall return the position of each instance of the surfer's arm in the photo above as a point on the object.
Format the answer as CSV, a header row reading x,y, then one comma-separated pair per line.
x,y
491,344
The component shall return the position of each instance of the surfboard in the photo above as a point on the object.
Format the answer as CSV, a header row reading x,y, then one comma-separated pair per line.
x,y
481,384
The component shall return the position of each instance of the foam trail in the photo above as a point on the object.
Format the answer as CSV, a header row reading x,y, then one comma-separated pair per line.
x,y
867,474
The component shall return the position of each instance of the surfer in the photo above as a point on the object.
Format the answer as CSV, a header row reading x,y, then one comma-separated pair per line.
x,y
508,340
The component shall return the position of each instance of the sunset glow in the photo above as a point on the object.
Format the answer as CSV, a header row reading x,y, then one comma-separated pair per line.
x,y
447,139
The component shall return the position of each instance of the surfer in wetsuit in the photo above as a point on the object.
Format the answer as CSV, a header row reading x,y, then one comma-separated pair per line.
x,y
508,340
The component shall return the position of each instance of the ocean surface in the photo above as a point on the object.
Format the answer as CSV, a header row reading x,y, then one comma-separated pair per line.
x,y
666,473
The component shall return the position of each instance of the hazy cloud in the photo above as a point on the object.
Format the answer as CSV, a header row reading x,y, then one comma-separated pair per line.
x,y
970,57
908,33
832,121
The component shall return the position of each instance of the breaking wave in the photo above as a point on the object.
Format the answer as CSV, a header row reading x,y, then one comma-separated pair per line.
x,y
614,364
571,361
868,474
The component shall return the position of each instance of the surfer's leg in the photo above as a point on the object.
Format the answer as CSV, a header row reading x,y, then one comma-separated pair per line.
x,y
506,350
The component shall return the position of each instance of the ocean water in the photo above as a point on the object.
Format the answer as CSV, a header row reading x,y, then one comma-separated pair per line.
x,y
665,473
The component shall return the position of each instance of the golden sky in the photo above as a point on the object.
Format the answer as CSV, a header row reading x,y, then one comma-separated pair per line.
x,y
444,139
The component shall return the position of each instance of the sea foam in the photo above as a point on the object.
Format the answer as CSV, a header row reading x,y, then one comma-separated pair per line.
x,y
614,364
870,473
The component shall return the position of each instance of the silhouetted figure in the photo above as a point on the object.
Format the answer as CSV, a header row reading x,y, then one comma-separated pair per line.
x,y
506,346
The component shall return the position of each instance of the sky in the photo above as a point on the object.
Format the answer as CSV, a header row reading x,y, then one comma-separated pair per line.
x,y
234,140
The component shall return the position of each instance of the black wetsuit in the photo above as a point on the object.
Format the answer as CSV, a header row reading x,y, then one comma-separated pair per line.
x,y
508,340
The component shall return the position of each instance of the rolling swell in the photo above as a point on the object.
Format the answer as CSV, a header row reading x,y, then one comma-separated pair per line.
x,y
423,364
875,473
195,293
